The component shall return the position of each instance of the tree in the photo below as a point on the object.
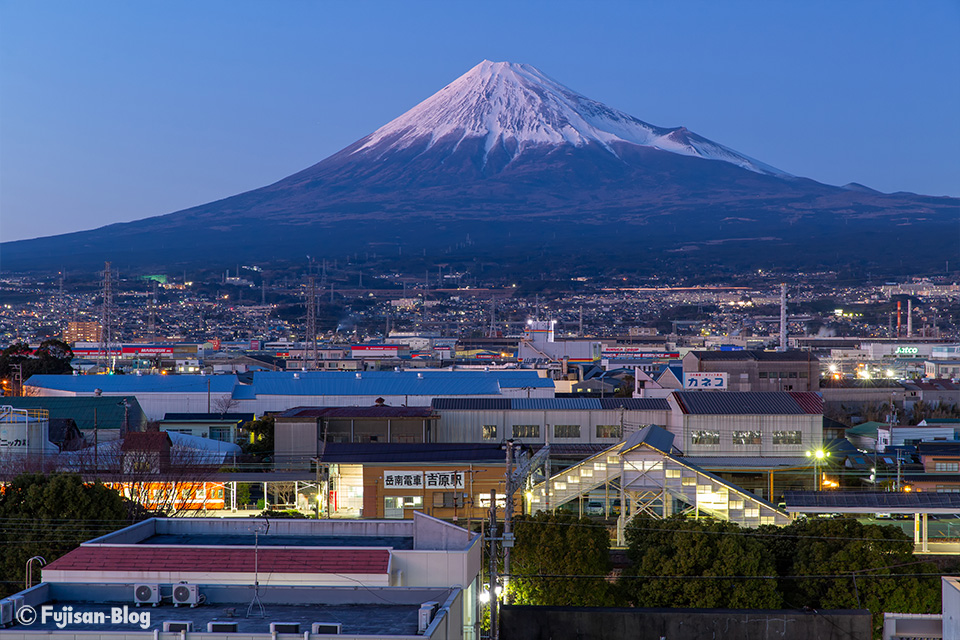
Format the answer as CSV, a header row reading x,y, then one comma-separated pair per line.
x,y
681,549
870,567
49,515
261,431
551,547
52,356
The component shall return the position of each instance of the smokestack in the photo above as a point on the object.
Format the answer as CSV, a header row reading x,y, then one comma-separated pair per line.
x,y
909,318
783,316
898,318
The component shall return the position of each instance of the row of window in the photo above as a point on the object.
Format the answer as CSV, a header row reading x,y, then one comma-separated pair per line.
x,y
705,436
489,431
947,466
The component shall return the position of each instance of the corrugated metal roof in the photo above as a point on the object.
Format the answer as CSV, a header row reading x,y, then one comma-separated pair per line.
x,y
753,354
394,383
651,435
415,453
748,402
723,463
874,500
471,404
87,412
208,417
358,412
550,404
636,404
131,384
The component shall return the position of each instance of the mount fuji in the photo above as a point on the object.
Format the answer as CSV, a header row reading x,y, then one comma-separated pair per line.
x,y
506,160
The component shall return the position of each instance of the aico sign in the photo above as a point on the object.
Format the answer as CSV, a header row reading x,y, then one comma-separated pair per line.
x,y
696,381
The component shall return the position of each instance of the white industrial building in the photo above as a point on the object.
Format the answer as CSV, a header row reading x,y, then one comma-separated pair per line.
x,y
264,391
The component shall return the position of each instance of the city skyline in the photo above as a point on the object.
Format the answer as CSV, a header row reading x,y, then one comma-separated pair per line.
x,y
133,111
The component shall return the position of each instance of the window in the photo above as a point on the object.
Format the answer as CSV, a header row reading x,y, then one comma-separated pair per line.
x,y
735,504
783,374
947,466
803,374
402,502
751,513
948,488
762,375
566,431
787,437
746,437
526,431
448,499
221,434
688,482
705,437
793,374
489,431
608,431
673,473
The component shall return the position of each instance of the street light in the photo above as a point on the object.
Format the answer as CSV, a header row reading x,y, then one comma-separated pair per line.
x,y
818,456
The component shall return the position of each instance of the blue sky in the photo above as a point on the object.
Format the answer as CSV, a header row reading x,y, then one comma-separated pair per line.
x,y
113,111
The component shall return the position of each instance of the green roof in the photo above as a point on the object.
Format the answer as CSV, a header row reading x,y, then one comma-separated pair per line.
x,y
109,409
867,429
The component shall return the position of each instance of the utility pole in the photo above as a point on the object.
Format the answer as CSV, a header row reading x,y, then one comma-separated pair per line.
x,y
494,627
508,517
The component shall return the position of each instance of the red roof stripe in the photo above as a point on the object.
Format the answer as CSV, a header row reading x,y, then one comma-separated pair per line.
x,y
139,558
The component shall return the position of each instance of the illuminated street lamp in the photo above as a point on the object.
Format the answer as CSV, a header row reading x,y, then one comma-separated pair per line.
x,y
818,456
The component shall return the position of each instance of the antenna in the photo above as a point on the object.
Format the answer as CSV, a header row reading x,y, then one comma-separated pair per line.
x,y
255,609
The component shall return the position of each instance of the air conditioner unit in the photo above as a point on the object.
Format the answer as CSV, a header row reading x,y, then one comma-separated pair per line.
x,y
177,626
221,627
284,627
146,594
425,615
6,612
185,594
17,604
329,628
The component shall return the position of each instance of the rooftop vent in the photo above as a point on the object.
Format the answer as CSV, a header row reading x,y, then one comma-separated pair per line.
x,y
329,628
177,626
284,627
221,627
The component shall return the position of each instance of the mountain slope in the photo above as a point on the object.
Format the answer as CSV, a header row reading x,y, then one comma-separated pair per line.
x,y
506,155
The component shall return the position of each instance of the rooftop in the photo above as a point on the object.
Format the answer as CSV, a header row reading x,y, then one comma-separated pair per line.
x,y
213,559
752,354
550,404
749,402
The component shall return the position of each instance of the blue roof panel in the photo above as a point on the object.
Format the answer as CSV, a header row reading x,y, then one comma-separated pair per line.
x,y
130,384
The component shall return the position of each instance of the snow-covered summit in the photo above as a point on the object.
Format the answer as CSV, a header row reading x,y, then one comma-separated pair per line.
x,y
516,106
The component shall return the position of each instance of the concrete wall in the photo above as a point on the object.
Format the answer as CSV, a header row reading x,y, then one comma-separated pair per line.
x,y
576,623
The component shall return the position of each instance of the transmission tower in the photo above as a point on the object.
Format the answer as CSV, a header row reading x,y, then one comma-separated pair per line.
x,y
310,353
107,319
152,318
